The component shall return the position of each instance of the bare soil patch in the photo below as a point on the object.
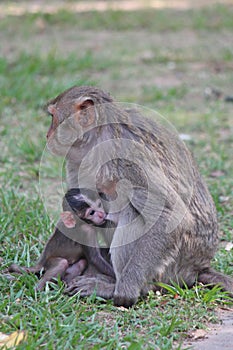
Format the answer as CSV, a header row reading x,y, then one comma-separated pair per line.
x,y
219,337
43,6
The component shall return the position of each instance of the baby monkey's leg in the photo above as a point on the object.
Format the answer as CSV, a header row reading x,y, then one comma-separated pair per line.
x,y
54,267
75,270
23,269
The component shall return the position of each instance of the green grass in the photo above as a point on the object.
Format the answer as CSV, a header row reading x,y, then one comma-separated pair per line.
x,y
163,59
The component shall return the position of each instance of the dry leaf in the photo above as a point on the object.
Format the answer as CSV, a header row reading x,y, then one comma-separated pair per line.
x,y
217,173
229,246
226,308
198,334
122,308
223,199
185,137
13,339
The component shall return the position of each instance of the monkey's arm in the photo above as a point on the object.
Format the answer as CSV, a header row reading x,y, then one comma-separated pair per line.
x,y
94,257
142,245
139,264
92,251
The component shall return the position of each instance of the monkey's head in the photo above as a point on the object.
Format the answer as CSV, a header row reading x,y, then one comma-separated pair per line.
x,y
73,114
86,205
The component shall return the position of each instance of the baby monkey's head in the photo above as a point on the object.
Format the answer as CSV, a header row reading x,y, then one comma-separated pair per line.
x,y
86,204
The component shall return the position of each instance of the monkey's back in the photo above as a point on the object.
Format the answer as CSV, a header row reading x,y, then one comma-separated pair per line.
x,y
59,245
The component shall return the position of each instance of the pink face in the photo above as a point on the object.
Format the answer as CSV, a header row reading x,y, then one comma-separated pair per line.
x,y
96,216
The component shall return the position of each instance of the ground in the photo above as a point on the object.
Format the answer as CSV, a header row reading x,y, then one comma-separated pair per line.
x,y
176,59
217,337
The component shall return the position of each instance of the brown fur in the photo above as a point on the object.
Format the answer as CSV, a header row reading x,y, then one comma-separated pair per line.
x,y
170,234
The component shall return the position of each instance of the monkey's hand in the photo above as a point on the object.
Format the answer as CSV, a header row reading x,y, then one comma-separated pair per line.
x,y
86,286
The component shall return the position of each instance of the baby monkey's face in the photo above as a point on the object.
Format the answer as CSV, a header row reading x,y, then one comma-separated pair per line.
x,y
86,205
93,212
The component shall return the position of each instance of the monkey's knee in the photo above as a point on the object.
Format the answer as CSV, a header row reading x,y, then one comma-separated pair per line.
x,y
75,270
211,277
55,267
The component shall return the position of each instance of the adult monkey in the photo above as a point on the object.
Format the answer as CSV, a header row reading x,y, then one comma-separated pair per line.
x,y
166,224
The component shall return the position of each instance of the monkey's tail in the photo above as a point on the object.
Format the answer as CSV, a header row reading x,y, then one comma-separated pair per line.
x,y
211,277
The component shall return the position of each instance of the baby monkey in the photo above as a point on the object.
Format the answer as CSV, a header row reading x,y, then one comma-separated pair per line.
x,y
68,258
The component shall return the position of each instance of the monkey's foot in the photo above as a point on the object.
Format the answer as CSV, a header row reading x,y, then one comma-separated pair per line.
x,y
124,301
7,275
126,294
86,286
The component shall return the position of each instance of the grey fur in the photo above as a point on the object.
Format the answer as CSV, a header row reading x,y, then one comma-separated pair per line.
x,y
168,230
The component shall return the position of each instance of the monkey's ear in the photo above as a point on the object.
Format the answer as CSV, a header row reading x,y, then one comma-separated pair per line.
x,y
85,112
51,110
68,219
85,103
